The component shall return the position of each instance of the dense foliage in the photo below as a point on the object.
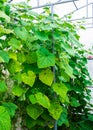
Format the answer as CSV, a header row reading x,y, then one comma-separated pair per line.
x,y
43,73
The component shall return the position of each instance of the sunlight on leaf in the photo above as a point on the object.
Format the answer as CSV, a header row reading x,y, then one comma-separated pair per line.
x,y
43,100
46,77
29,78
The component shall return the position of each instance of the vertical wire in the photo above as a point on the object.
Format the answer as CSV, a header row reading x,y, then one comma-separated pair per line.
x,y
87,8
92,15
38,3
52,13
54,71
55,125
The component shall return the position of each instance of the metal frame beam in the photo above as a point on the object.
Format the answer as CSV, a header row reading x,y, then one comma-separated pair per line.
x,y
56,3
87,14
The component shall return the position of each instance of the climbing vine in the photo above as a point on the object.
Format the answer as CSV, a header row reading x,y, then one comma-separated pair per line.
x,y
27,58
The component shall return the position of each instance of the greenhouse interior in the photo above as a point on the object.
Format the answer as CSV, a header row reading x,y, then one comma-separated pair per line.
x,y
46,62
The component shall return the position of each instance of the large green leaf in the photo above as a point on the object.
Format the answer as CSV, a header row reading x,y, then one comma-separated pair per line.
x,y
10,107
55,110
34,111
46,77
60,89
3,15
5,122
42,99
21,33
45,58
15,44
3,86
41,35
4,56
18,91
14,66
29,78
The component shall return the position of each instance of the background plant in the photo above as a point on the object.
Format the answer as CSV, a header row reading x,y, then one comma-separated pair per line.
x,y
32,96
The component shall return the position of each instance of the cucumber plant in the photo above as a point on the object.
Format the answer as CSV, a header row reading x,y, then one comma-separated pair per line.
x,y
31,45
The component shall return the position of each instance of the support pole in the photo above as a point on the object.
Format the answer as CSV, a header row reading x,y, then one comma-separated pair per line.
x,y
37,3
87,8
54,71
92,15
55,125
